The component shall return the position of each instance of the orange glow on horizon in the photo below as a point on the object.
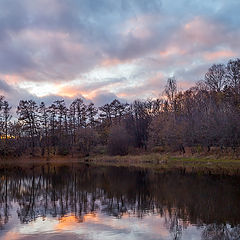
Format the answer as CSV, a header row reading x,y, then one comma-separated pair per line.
x,y
74,92
91,217
70,222
66,222
11,235
8,137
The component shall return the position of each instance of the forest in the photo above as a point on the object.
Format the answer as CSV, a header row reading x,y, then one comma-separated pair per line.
x,y
205,116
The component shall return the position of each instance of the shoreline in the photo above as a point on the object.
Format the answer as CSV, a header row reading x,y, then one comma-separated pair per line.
x,y
208,164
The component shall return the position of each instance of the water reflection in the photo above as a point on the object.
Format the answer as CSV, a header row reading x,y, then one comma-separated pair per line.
x,y
90,202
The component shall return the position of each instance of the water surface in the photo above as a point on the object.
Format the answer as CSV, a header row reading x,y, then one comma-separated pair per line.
x,y
78,201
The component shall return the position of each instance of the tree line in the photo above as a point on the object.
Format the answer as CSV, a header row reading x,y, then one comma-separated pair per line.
x,y
204,116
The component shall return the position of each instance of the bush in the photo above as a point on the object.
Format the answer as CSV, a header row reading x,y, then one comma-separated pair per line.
x,y
99,149
64,147
63,150
118,142
158,149
87,138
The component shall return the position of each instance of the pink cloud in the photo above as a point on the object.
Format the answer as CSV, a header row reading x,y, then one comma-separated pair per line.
x,y
172,50
109,62
202,31
211,56
11,78
59,55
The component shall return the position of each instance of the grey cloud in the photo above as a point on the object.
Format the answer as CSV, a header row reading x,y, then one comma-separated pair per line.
x,y
104,97
188,77
94,85
89,23
5,87
59,40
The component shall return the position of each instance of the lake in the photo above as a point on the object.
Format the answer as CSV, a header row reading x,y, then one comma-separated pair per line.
x,y
81,201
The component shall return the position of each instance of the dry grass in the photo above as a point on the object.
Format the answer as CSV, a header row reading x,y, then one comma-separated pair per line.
x,y
206,163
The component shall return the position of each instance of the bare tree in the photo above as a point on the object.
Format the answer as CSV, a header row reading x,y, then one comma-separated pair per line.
x,y
215,77
91,114
44,123
7,117
27,111
171,89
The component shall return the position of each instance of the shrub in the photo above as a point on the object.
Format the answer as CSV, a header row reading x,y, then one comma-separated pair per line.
x,y
118,142
87,138
64,148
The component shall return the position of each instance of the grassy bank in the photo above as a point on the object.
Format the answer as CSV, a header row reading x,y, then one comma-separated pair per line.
x,y
210,164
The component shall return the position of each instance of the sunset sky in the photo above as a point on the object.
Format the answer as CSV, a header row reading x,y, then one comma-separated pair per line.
x,y
106,49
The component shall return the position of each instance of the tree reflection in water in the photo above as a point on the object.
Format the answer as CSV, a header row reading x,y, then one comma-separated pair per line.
x,y
209,202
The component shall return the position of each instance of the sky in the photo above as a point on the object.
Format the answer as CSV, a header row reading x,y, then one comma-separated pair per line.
x,y
105,49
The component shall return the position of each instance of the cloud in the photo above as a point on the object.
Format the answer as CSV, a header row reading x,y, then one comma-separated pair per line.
x,y
4,87
104,97
150,87
222,54
70,48
13,94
